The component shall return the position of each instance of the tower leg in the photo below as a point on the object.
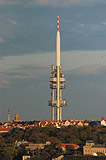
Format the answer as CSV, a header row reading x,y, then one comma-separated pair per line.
x,y
53,94
60,106
60,113
52,113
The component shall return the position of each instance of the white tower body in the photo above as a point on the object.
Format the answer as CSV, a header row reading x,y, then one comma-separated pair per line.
x,y
58,44
58,68
57,82
58,93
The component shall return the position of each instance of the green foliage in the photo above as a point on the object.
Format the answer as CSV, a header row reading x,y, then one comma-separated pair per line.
x,y
71,134
20,152
54,149
37,154
7,151
70,150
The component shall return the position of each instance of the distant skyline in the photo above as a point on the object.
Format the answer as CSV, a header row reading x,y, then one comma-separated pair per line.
x,y
27,51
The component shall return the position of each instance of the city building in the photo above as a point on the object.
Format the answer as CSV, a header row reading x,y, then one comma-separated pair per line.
x,y
33,146
4,130
103,121
26,157
16,118
91,149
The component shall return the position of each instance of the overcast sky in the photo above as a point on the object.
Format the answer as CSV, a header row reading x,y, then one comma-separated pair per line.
x,y
27,51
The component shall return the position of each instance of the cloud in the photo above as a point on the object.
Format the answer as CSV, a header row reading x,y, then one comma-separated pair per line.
x,y
57,2
23,72
52,3
19,74
7,77
39,65
104,23
2,40
62,3
10,2
89,69
20,77
13,22
94,27
4,82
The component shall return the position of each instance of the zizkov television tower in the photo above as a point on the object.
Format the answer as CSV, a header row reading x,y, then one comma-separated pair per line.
x,y
57,82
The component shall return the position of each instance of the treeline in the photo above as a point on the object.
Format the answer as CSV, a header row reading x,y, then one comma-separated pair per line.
x,y
57,136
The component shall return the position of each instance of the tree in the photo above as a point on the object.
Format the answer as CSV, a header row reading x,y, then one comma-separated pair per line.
x,y
50,151
7,152
37,154
70,150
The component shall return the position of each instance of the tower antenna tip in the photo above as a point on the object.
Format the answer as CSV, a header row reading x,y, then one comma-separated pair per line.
x,y
57,23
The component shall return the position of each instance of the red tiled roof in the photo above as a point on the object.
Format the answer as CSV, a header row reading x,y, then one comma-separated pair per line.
x,y
102,118
5,129
42,123
72,144
81,122
20,125
52,121
63,120
31,126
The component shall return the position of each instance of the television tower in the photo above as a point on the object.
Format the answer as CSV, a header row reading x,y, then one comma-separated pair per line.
x,y
57,80
8,115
